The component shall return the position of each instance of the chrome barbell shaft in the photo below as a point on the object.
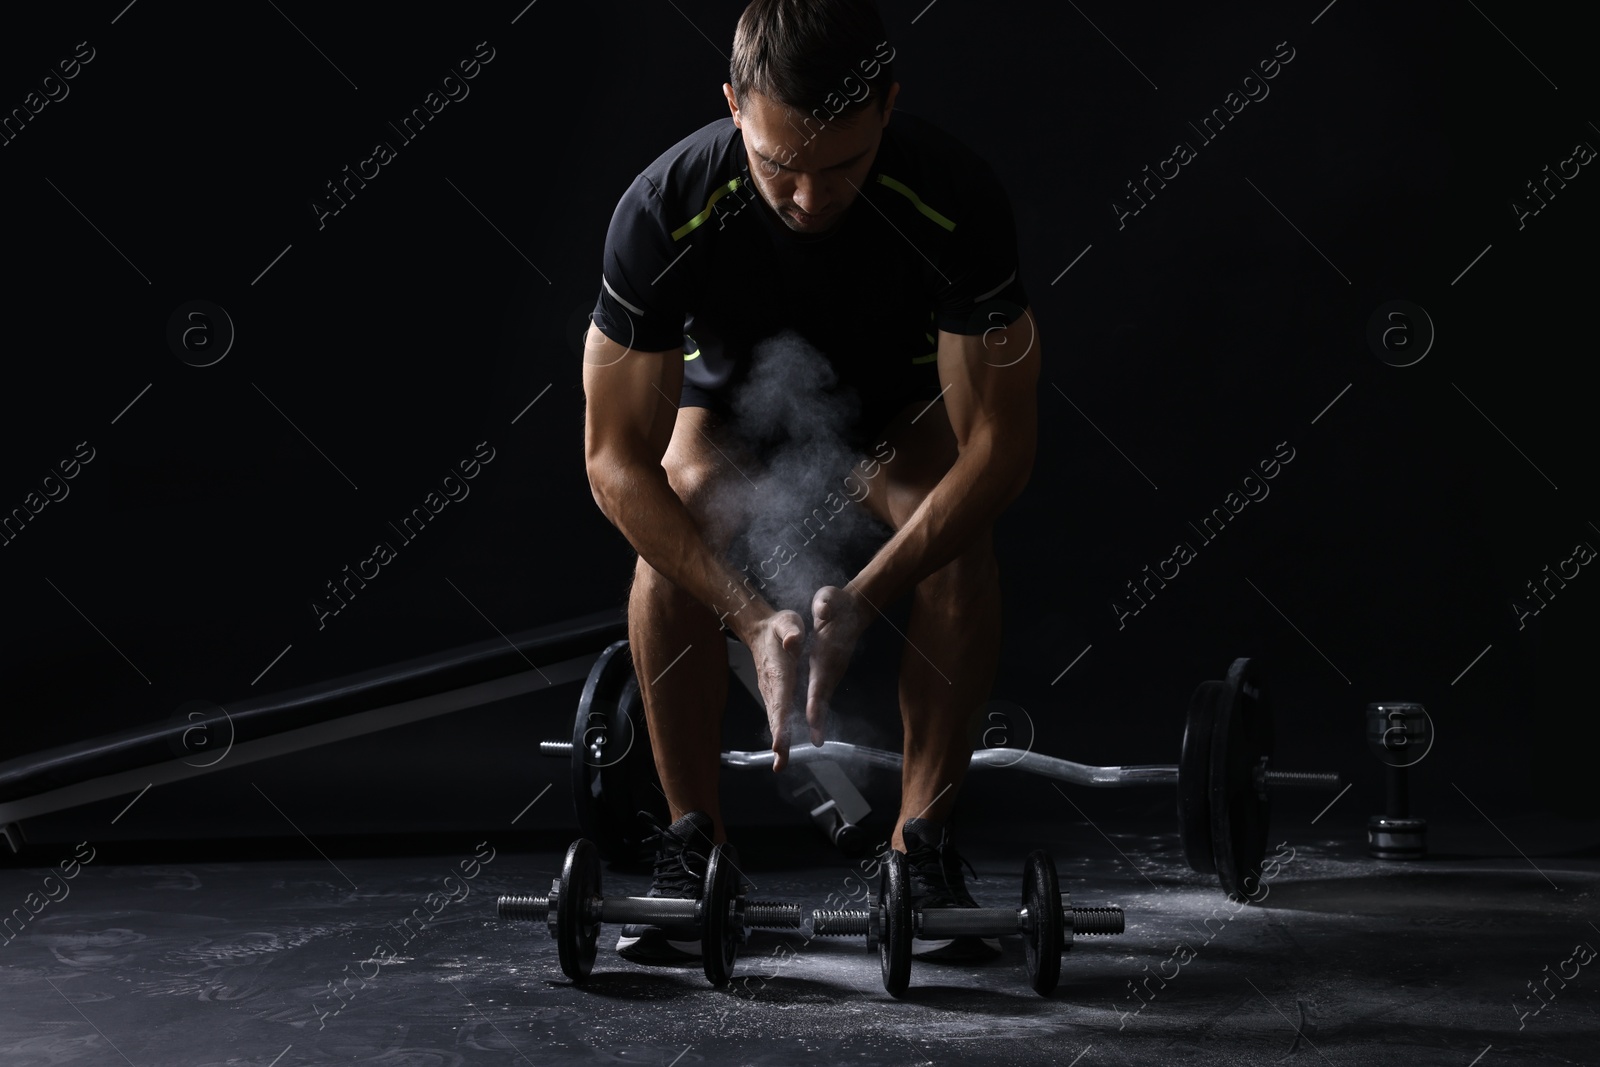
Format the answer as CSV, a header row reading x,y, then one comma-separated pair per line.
x,y
1133,775
1032,762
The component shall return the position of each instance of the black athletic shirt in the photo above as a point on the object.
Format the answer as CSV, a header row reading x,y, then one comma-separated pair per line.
x,y
694,257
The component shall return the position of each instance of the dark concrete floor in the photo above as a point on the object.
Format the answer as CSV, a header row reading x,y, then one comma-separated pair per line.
x,y
1347,960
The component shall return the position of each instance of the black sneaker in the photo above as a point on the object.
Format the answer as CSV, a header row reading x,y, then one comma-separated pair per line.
x,y
680,871
936,882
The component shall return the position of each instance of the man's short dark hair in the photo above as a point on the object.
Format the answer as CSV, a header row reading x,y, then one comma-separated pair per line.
x,y
812,55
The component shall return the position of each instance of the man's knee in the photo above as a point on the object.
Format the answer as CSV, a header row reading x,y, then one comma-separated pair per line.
x,y
709,498
693,483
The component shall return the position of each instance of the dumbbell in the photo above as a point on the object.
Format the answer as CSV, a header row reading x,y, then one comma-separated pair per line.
x,y
1047,921
575,909
1399,734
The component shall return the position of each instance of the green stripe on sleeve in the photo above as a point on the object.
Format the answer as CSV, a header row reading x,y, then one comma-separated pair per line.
x,y
905,191
718,194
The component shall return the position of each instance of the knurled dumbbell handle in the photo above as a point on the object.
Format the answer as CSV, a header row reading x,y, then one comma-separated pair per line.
x,y
1397,797
647,910
969,922
996,922
655,911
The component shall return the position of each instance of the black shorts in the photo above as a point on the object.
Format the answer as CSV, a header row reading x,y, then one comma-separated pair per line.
x,y
880,400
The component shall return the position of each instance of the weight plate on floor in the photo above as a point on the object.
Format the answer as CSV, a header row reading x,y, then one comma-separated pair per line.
x,y
1257,708
1241,738
894,946
632,785
1041,895
592,742
720,932
1194,778
579,893
613,768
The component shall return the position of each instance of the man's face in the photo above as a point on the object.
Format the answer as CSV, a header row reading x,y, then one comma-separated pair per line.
x,y
808,171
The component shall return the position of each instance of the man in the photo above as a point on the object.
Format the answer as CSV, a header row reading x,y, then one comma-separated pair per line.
x,y
891,248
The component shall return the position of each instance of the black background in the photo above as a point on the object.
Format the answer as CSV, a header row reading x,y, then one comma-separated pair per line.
x,y
414,325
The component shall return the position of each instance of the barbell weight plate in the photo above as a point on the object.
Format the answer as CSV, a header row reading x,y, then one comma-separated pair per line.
x,y
1241,736
720,934
596,714
1041,895
631,782
1250,851
1258,709
894,946
1194,778
576,936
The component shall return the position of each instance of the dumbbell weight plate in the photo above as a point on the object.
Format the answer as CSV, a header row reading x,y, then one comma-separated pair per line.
x,y
720,933
1041,895
576,936
1194,778
1241,736
894,947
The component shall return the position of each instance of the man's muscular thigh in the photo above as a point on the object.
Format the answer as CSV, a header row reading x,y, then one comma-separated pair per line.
x,y
923,449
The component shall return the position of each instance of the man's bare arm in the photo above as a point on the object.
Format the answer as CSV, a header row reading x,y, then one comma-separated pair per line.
x,y
991,396
630,413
